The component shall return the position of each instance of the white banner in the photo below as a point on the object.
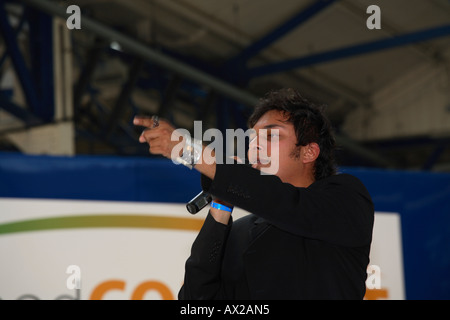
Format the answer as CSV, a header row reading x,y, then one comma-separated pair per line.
x,y
124,250
385,272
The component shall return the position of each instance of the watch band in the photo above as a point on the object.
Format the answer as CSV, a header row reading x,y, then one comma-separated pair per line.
x,y
222,207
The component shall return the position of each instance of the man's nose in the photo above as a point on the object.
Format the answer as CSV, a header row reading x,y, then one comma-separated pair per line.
x,y
254,150
254,144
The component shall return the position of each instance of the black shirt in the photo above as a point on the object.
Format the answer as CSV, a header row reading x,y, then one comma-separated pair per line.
x,y
298,243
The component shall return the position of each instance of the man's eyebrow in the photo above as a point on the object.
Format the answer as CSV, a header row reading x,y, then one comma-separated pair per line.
x,y
270,126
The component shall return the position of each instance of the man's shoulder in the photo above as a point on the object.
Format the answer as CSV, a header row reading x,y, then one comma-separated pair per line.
x,y
341,178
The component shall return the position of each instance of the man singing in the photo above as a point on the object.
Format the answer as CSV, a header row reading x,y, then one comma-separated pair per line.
x,y
309,232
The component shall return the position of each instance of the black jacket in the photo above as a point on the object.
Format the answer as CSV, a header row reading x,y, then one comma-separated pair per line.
x,y
298,243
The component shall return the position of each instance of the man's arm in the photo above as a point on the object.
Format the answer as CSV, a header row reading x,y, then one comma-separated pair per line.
x,y
337,209
202,279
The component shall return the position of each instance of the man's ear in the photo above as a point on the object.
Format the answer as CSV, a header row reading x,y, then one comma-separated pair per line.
x,y
311,152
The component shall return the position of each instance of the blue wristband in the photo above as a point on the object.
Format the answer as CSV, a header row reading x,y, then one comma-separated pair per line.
x,y
222,207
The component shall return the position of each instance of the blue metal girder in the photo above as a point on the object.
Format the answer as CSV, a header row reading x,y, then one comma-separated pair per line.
x,y
301,17
235,70
26,116
8,34
41,53
16,32
383,44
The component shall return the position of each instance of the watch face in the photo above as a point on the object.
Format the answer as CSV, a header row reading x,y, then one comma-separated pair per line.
x,y
191,153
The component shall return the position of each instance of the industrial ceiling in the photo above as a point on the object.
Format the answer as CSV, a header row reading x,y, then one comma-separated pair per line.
x,y
386,90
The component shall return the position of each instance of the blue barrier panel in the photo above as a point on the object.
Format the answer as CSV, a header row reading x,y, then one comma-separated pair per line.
x,y
422,200
96,178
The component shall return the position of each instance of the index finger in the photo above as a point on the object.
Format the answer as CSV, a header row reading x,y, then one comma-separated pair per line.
x,y
144,121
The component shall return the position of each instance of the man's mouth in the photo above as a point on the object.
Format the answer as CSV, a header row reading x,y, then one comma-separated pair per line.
x,y
261,162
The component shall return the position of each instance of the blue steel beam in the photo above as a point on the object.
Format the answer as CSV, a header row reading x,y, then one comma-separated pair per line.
x,y
16,32
351,51
41,53
8,34
140,49
298,19
19,112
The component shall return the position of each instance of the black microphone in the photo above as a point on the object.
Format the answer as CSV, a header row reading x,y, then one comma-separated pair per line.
x,y
199,202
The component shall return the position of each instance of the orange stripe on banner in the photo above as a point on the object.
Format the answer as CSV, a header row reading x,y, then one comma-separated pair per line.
x,y
102,221
375,294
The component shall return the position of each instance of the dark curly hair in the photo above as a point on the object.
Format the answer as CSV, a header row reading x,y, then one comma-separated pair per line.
x,y
310,125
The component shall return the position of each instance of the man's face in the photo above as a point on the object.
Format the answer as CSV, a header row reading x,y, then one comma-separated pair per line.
x,y
273,150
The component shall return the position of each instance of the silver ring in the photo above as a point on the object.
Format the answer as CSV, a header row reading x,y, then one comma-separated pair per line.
x,y
155,121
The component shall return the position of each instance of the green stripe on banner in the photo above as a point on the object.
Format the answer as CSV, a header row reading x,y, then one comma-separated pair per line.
x,y
102,221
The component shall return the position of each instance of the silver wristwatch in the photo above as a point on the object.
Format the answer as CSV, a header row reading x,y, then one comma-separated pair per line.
x,y
192,152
